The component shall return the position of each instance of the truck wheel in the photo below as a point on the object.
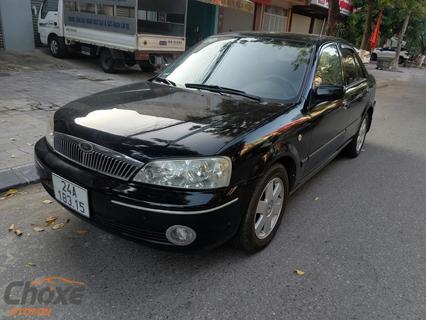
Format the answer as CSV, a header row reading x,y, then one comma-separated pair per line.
x,y
146,66
57,46
107,61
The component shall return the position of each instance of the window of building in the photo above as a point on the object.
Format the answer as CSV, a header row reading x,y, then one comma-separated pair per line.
x,y
126,12
352,70
274,19
106,10
329,70
87,8
70,5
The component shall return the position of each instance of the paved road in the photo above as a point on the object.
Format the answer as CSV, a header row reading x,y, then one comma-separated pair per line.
x,y
362,244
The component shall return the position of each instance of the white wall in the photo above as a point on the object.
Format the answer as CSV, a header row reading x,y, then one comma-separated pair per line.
x,y
17,24
237,20
300,23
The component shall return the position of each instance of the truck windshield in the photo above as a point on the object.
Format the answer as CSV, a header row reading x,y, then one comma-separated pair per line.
x,y
166,17
268,68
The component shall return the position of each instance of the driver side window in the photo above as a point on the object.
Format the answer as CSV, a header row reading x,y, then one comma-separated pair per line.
x,y
329,70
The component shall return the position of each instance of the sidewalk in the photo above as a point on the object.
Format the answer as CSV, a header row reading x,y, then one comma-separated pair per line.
x,y
32,87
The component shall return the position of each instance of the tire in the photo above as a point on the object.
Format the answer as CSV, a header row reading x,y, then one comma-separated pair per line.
x,y
373,57
57,46
146,66
401,60
107,61
253,236
353,149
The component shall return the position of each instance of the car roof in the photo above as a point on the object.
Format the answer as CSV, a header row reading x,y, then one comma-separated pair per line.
x,y
313,39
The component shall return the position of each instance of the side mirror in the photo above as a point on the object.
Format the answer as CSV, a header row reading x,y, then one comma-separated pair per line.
x,y
329,93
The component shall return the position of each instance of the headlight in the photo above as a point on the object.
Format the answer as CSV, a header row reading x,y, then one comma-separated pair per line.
x,y
49,132
197,173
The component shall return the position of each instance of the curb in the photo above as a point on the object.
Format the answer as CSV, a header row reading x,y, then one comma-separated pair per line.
x,y
18,176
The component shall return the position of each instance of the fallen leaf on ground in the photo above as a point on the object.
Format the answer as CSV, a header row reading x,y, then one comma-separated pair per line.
x,y
68,220
10,192
316,198
47,201
2,198
18,232
81,231
299,272
38,229
12,227
12,139
12,156
30,264
51,220
58,226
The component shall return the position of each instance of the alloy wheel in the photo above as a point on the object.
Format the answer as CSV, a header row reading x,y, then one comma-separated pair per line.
x,y
269,208
54,47
361,135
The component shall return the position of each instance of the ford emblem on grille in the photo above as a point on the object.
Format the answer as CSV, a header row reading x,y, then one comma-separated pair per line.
x,y
86,147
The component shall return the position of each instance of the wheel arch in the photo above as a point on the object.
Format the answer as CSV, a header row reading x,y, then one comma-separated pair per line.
x,y
289,164
51,35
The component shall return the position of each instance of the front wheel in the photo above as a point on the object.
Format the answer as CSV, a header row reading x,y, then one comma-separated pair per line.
x,y
57,46
265,210
354,148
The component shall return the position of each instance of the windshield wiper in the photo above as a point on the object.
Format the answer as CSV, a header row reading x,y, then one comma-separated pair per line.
x,y
164,80
219,89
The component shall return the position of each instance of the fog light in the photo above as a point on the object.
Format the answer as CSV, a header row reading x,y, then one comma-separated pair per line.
x,y
180,235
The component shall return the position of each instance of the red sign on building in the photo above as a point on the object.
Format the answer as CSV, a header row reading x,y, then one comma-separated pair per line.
x,y
346,6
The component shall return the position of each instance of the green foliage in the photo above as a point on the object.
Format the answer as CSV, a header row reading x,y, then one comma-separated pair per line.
x,y
394,13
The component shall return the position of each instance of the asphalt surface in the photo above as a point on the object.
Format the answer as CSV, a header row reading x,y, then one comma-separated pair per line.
x,y
357,230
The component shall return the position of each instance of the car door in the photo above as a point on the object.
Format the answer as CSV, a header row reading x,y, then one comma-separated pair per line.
x,y
356,89
48,20
328,117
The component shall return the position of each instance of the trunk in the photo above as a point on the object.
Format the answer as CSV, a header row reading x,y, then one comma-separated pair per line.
x,y
400,39
367,28
333,15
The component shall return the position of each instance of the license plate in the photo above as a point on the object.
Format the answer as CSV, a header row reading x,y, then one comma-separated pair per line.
x,y
71,195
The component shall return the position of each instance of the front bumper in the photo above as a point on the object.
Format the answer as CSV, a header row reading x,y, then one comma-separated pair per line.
x,y
145,212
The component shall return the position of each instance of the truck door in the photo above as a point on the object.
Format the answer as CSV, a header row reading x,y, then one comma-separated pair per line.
x,y
48,20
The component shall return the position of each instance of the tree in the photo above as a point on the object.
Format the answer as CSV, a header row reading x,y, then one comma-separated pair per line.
x,y
401,36
367,27
333,16
409,8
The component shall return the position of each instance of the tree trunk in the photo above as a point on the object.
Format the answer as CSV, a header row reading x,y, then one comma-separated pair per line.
x,y
367,28
333,15
400,39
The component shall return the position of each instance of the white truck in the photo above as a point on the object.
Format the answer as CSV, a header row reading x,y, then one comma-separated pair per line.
x,y
145,32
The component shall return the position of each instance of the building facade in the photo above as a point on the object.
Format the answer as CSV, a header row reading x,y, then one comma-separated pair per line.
x,y
302,16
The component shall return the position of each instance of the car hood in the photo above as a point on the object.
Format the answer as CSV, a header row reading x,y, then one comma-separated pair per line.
x,y
145,119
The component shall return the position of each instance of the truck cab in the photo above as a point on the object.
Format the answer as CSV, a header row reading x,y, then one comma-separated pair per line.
x,y
50,26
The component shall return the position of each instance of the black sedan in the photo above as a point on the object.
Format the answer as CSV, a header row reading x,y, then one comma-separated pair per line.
x,y
212,147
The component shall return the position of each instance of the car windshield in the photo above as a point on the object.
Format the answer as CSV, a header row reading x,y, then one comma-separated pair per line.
x,y
268,68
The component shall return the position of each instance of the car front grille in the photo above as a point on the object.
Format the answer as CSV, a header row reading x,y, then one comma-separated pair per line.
x,y
96,157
